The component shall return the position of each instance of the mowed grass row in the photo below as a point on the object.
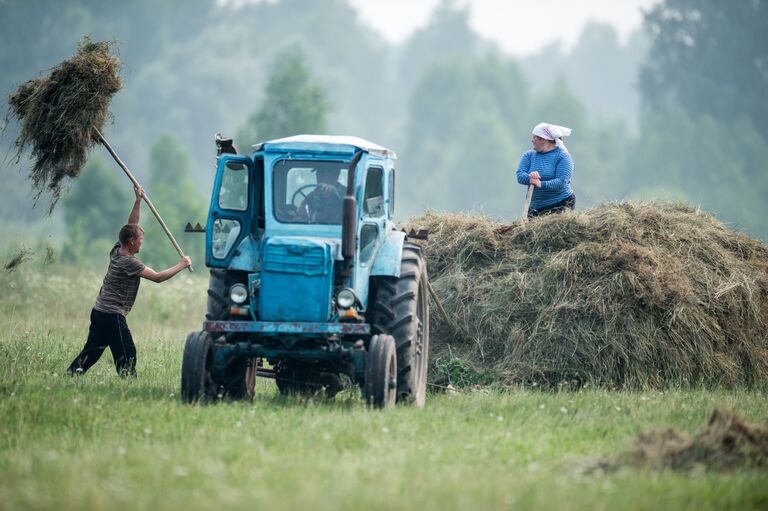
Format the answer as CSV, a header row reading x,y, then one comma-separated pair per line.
x,y
99,442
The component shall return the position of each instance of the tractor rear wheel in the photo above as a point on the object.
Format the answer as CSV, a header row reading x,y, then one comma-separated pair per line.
x,y
197,385
401,309
380,386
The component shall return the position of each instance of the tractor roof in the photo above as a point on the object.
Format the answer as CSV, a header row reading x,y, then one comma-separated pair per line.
x,y
322,143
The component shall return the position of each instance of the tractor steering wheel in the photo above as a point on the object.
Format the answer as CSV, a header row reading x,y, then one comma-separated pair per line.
x,y
303,191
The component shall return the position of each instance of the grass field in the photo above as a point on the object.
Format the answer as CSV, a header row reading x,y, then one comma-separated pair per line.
x,y
99,442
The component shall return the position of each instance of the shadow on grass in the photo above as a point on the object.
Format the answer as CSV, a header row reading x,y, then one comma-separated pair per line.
x,y
98,388
347,399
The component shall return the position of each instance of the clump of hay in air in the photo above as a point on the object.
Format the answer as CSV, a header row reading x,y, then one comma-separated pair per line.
x,y
50,254
25,254
631,295
726,443
60,113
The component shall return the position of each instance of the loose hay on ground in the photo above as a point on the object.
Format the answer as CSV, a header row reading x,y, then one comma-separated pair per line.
x,y
633,295
60,113
727,442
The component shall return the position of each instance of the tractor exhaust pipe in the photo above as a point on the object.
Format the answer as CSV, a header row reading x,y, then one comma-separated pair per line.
x,y
349,217
348,227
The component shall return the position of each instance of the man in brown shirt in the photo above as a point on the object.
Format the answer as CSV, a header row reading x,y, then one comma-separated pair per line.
x,y
116,297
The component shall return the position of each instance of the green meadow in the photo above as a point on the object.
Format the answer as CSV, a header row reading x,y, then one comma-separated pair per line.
x,y
101,442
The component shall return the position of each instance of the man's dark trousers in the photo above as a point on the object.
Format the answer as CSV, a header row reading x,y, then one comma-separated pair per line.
x,y
111,330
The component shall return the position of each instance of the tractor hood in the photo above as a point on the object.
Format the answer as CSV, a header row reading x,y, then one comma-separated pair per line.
x,y
297,278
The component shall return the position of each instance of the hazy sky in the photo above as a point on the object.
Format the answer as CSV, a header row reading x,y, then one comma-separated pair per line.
x,y
520,27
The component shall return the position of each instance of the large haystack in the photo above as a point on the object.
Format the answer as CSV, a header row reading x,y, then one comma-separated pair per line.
x,y
630,295
59,114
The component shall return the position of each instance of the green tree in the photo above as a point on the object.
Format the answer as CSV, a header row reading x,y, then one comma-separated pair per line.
x,y
711,57
599,70
35,35
471,121
557,104
695,158
96,207
598,148
175,196
447,36
462,151
703,135
294,102
17,200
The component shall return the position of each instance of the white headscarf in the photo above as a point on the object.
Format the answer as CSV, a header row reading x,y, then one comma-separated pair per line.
x,y
552,132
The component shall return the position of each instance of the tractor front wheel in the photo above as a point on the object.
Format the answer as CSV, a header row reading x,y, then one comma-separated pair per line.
x,y
197,385
380,387
240,379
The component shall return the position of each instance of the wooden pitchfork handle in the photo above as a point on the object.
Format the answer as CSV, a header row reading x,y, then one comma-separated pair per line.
x,y
144,195
445,315
528,197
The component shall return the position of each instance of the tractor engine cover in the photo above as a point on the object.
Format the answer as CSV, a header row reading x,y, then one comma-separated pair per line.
x,y
296,279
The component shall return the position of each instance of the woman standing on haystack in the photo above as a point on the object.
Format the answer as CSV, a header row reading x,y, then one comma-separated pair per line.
x,y
548,167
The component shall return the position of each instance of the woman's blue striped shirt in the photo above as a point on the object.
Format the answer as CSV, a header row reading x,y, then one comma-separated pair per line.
x,y
555,168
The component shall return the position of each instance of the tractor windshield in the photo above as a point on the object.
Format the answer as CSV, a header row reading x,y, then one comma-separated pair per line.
x,y
309,192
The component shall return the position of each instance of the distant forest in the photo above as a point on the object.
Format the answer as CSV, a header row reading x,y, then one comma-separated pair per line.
x,y
676,112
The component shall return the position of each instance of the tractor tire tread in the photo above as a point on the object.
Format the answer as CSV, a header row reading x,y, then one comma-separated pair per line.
x,y
194,384
398,323
408,295
395,312
383,309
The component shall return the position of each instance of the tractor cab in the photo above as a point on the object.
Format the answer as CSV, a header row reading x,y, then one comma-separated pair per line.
x,y
305,261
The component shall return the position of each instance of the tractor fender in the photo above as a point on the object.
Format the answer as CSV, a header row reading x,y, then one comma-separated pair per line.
x,y
387,262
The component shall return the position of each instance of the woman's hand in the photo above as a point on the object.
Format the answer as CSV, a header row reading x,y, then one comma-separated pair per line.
x,y
534,175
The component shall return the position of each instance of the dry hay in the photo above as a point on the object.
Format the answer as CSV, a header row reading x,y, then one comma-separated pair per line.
x,y
50,254
60,113
727,442
632,295
25,254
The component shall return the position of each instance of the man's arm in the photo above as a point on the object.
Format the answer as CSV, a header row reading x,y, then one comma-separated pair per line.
x,y
161,276
133,218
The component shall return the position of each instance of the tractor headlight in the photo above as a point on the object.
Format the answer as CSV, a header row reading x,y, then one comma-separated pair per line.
x,y
238,293
346,298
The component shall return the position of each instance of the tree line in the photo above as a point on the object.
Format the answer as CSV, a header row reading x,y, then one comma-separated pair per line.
x,y
457,111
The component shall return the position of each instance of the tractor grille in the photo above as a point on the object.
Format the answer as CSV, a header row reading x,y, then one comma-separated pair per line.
x,y
304,260
296,280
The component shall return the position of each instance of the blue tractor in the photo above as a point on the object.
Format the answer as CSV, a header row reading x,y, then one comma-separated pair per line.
x,y
311,284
